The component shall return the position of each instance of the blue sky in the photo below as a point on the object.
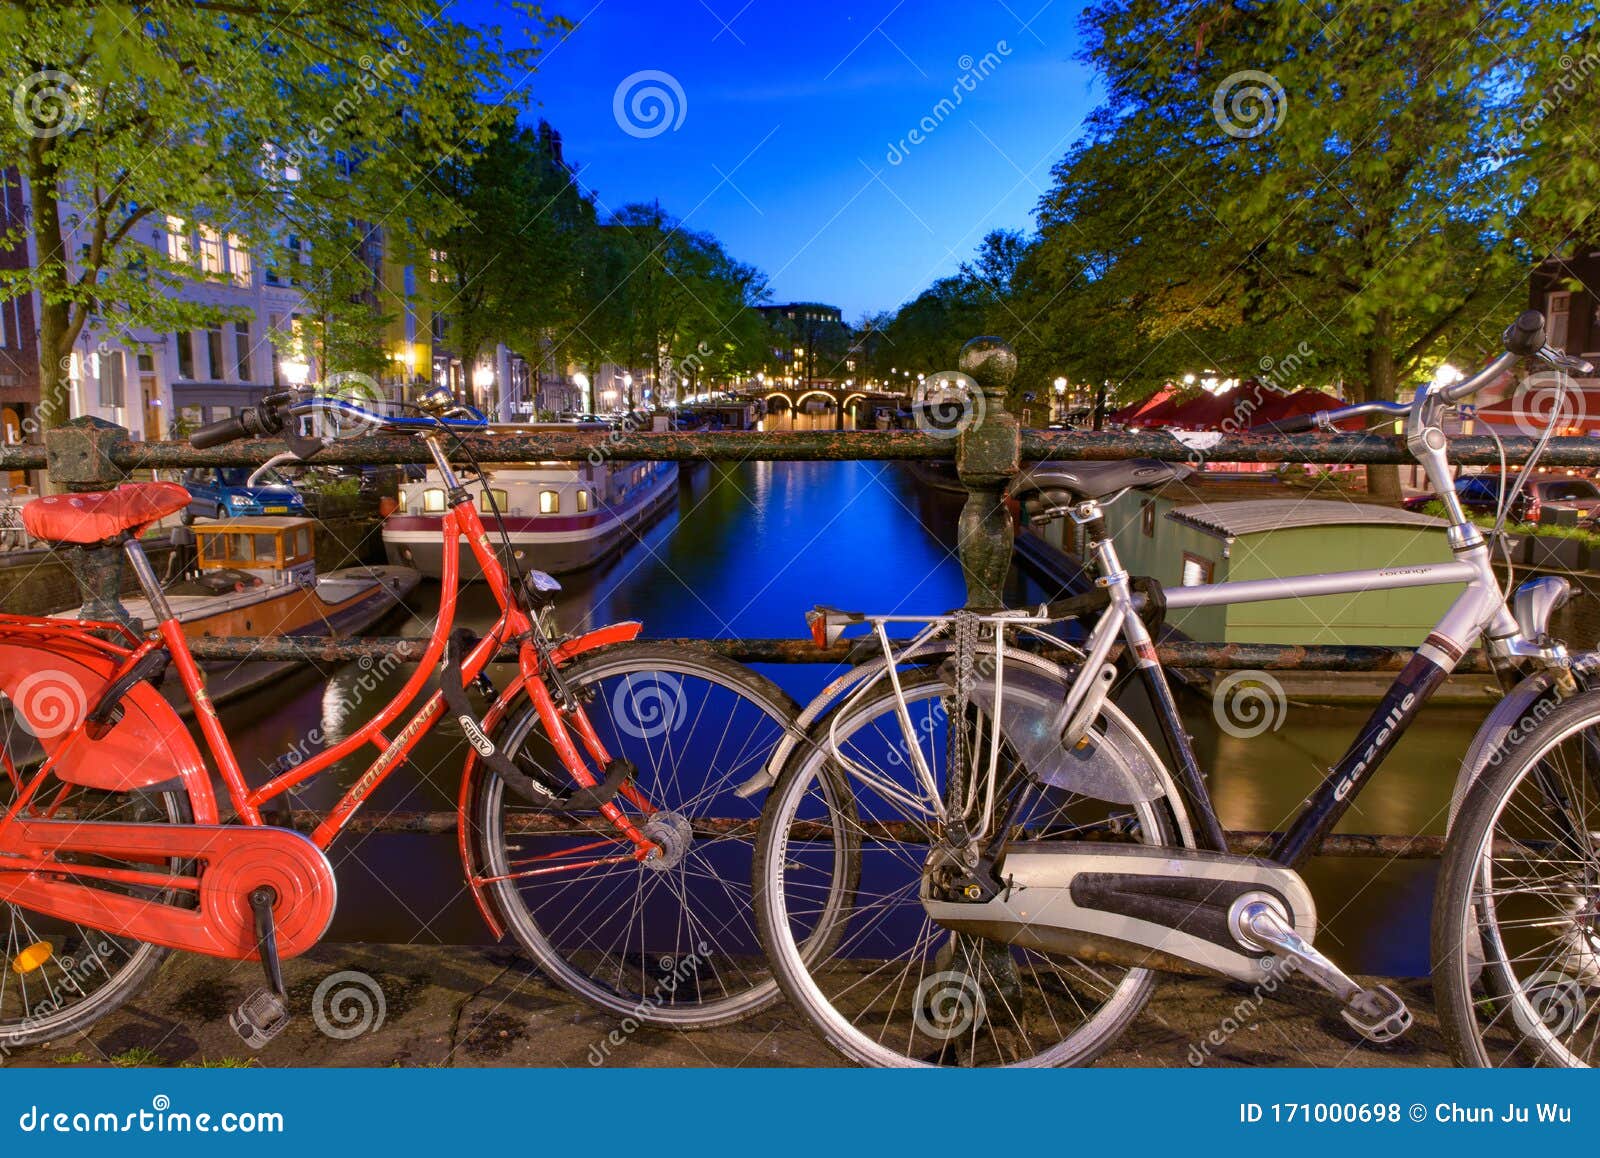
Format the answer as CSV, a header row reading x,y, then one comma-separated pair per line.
x,y
790,111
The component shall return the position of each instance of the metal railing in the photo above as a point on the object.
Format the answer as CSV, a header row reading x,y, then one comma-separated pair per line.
x,y
90,454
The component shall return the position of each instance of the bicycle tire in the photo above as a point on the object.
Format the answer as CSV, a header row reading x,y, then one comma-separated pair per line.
x,y
557,931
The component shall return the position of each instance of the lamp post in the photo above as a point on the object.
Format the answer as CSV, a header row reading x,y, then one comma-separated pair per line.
x,y
581,381
482,383
1061,399
296,371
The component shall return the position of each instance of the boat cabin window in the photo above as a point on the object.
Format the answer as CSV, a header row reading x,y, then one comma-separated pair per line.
x,y
583,501
549,502
433,501
492,500
1196,570
300,544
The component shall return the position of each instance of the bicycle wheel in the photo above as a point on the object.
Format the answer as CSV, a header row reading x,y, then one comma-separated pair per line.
x,y
892,987
1521,876
58,977
669,941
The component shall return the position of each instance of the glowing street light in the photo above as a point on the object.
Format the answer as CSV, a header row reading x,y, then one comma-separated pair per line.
x,y
296,371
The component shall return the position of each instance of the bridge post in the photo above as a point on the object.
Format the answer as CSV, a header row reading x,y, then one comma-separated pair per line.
x,y
79,457
988,457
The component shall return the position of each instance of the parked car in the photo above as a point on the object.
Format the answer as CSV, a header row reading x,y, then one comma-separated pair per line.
x,y
1480,495
223,492
1579,495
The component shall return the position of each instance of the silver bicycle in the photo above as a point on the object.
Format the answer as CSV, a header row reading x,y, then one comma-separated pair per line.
x,y
970,856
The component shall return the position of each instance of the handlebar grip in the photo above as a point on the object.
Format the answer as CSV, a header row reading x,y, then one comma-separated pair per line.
x,y
219,433
1525,336
1299,424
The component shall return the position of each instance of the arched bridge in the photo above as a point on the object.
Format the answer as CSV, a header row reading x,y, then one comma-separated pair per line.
x,y
859,401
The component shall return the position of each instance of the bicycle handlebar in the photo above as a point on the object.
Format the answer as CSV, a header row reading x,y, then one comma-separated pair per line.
x,y
269,415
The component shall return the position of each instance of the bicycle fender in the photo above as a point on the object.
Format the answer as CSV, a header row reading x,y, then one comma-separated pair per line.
x,y
49,691
624,632
1521,709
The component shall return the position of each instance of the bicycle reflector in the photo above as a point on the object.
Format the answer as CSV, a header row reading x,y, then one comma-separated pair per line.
x,y
827,624
31,958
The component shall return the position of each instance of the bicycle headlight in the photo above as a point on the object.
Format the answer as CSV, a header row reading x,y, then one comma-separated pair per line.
x,y
1535,602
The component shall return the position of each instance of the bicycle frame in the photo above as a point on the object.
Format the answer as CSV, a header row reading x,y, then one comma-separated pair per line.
x,y
565,723
1478,612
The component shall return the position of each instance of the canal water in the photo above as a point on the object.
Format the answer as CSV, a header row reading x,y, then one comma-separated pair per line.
x,y
745,551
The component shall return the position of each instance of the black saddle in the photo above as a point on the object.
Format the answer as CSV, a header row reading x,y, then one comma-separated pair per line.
x,y
1096,480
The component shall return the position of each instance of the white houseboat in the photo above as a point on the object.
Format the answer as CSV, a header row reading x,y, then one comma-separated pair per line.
x,y
559,516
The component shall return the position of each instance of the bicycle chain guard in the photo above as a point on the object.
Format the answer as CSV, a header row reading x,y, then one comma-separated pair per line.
x,y
232,862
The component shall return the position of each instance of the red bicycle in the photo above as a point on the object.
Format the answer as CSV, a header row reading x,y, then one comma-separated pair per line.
x,y
597,815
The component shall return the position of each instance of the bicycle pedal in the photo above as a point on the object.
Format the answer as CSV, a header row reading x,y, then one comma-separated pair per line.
x,y
1377,1014
260,1017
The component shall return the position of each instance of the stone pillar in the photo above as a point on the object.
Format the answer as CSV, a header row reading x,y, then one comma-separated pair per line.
x,y
79,458
988,457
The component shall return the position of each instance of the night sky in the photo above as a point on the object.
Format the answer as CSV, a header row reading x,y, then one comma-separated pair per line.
x,y
791,113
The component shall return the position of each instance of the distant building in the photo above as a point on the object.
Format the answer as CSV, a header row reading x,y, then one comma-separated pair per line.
x,y
810,344
1567,291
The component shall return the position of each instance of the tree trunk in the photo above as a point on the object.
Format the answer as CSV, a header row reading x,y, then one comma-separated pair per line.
x,y
1383,482
58,330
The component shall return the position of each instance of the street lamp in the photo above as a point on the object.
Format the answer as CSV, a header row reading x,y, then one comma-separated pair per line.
x,y
581,381
1061,398
296,372
482,383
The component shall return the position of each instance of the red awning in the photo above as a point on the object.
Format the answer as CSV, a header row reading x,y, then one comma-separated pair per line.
x,y
1528,412
1134,410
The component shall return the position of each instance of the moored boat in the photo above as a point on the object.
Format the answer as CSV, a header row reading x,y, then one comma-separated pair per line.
x,y
258,577
559,516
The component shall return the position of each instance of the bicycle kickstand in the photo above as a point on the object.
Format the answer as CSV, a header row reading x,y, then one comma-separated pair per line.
x,y
265,1013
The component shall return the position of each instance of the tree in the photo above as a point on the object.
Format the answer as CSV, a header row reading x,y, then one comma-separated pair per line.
x,y
1362,185
230,114
513,260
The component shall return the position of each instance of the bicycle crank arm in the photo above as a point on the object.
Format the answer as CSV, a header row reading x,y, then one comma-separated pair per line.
x,y
232,862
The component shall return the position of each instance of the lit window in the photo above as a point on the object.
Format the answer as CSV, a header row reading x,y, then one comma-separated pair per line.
x,y
1196,570
433,501
177,240
238,260
549,502
490,501
583,501
210,250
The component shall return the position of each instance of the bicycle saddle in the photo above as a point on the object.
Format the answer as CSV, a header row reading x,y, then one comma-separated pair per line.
x,y
100,515
1095,480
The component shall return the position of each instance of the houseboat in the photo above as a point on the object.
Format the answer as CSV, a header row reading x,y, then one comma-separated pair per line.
x,y
558,516
258,576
